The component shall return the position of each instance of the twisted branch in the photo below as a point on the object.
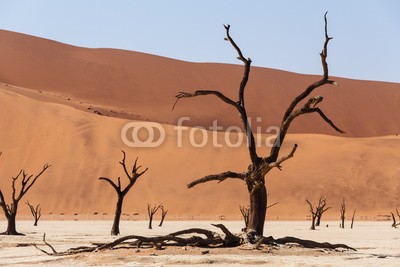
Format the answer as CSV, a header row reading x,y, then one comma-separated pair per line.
x,y
218,177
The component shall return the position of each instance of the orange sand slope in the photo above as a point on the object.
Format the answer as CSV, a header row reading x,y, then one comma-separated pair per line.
x,y
141,86
82,146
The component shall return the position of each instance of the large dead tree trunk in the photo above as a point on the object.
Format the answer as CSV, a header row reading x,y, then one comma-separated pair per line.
x,y
245,211
10,211
117,216
258,209
36,212
121,193
254,177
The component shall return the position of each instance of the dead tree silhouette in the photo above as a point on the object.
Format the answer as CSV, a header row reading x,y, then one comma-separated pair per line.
x,y
342,213
321,209
121,192
150,212
163,215
395,224
36,212
314,212
10,210
254,176
352,219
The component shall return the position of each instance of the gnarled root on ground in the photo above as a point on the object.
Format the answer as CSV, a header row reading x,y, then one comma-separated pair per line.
x,y
189,237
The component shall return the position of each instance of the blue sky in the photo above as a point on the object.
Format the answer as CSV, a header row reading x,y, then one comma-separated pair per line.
x,y
276,34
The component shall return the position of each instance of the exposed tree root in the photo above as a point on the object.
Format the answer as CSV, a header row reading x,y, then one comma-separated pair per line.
x,y
304,243
190,237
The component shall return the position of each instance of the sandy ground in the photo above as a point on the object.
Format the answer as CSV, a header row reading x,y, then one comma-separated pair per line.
x,y
81,147
377,244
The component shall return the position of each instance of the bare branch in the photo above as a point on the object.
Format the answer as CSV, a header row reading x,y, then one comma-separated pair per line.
x,y
218,177
238,105
122,162
270,206
311,207
313,86
306,109
279,162
319,111
27,183
247,64
290,114
202,93
117,188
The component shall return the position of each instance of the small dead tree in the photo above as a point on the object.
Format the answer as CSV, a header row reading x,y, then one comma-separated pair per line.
x,y
36,212
254,176
314,212
10,210
395,224
342,213
321,209
151,211
352,219
121,193
245,214
163,214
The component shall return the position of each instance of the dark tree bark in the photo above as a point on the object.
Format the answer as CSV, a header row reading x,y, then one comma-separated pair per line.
x,y
342,213
321,210
36,212
163,214
352,219
121,193
198,238
151,211
259,167
10,211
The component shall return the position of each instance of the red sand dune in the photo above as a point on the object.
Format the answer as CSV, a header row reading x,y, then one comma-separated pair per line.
x,y
143,86
36,128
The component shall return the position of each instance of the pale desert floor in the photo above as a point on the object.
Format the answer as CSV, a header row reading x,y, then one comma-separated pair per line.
x,y
377,244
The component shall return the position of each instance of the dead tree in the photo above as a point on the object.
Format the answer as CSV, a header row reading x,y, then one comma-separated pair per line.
x,y
395,224
314,212
342,213
245,214
254,176
321,209
36,212
163,214
352,219
132,178
151,211
10,210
